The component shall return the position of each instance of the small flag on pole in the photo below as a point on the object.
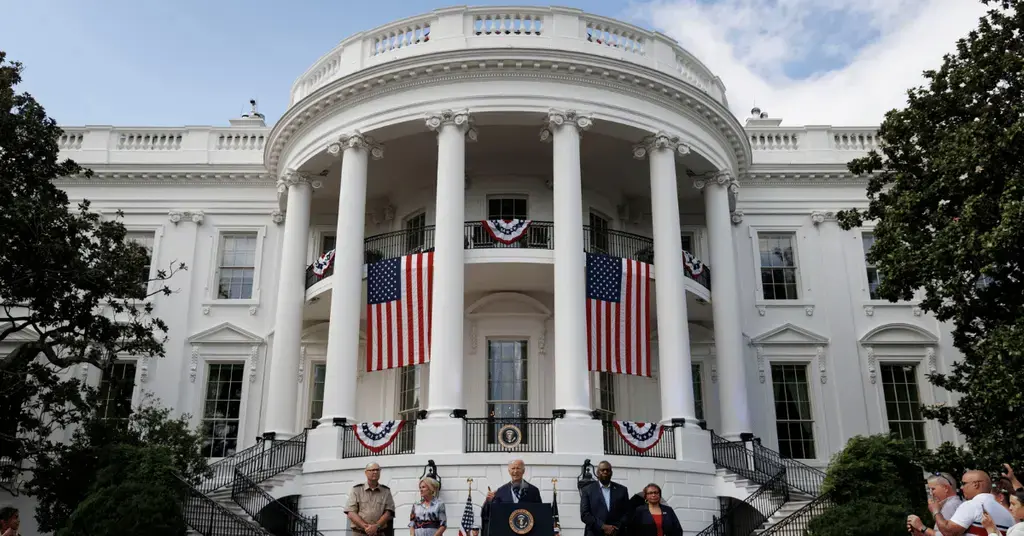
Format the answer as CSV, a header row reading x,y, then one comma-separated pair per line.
x,y
468,519
618,315
554,508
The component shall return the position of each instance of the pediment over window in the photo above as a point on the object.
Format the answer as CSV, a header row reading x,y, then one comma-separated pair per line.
x,y
226,333
788,334
899,334
508,303
20,336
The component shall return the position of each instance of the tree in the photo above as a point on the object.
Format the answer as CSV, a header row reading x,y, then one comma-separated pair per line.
x,y
72,289
874,484
65,476
947,195
135,494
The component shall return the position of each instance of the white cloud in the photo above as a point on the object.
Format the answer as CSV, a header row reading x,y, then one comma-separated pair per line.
x,y
879,48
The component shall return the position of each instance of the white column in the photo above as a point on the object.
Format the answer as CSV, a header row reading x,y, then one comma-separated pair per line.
x,y
572,379
675,377
283,388
725,305
347,287
447,336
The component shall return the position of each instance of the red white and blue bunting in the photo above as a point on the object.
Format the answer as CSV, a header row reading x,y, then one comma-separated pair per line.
x,y
640,436
693,265
377,436
323,263
506,231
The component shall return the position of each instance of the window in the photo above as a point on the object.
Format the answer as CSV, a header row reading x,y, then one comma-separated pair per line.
x,y
868,240
408,392
598,233
416,232
316,396
506,208
778,266
147,240
698,391
222,409
902,403
506,384
327,243
605,395
687,239
793,420
237,266
116,389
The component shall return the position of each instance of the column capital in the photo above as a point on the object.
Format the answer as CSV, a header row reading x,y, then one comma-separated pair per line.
x,y
294,178
557,118
458,118
356,140
720,177
659,141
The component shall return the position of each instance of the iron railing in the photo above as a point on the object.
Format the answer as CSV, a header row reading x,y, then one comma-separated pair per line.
x,y
745,517
207,517
222,472
539,235
280,457
799,476
738,458
397,243
615,445
405,443
631,246
271,514
795,524
491,434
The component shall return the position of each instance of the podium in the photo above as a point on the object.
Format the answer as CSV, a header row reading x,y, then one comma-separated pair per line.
x,y
522,519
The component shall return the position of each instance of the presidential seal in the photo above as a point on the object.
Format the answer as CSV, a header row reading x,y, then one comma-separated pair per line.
x,y
509,436
521,521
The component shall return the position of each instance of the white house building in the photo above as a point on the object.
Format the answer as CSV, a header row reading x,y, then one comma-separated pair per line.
x,y
421,140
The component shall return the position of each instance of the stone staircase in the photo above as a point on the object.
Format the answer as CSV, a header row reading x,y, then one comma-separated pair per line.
x,y
223,495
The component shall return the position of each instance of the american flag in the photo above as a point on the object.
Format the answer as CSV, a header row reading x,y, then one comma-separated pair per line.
x,y
618,315
468,520
399,294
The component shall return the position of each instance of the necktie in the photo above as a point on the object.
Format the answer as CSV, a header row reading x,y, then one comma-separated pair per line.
x,y
515,492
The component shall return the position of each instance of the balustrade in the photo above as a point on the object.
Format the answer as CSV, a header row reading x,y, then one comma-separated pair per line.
x,y
534,435
614,445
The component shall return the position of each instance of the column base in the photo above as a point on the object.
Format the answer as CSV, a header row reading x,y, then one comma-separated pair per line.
x,y
693,445
441,435
323,443
578,436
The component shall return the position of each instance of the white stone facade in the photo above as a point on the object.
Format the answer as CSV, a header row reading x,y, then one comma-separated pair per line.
x,y
439,115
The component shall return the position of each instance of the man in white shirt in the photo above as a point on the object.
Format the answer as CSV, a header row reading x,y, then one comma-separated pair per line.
x,y
942,488
977,488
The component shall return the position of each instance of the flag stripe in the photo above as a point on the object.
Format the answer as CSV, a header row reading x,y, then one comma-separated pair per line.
x,y
618,315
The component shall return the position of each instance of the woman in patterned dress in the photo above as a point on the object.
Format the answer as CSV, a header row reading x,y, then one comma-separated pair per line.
x,y
428,517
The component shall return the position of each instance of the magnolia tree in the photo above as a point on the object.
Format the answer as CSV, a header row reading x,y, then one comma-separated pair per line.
x,y
946,194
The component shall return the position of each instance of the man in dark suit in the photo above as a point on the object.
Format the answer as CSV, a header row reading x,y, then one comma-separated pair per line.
x,y
604,505
516,491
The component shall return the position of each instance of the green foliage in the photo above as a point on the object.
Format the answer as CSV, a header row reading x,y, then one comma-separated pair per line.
x,y
135,494
66,474
948,458
72,287
875,485
947,196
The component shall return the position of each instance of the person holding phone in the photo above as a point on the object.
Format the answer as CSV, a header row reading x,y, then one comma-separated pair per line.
x,y
977,489
941,489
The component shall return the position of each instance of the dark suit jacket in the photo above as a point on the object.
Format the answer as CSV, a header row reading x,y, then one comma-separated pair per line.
x,y
528,494
595,513
642,523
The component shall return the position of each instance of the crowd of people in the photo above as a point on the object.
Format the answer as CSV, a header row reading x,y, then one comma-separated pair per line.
x,y
980,505
606,508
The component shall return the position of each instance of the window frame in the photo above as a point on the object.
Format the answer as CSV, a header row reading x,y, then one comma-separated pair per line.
x,y
609,226
490,197
865,281
812,400
311,388
804,295
136,381
418,389
595,398
530,376
697,371
317,235
920,398
923,357
203,377
213,278
419,213
158,233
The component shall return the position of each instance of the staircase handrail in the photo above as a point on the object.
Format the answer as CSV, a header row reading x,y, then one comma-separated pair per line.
x,y
731,521
254,499
736,457
222,472
280,457
219,522
799,476
809,511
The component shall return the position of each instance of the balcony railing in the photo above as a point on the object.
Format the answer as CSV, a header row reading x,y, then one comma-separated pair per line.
x,y
509,435
405,443
616,446
540,235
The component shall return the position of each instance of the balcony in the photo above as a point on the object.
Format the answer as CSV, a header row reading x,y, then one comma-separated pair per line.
x,y
526,435
540,235
614,445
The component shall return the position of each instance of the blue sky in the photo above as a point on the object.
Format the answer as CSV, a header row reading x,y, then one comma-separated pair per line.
x,y
188,62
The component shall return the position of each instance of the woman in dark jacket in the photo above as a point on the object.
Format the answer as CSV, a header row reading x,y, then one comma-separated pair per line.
x,y
654,518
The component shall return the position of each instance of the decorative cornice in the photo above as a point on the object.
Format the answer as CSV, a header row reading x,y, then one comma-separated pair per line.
x,y
193,367
172,178
819,217
558,118
458,118
819,353
872,365
356,140
195,216
794,176
659,141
